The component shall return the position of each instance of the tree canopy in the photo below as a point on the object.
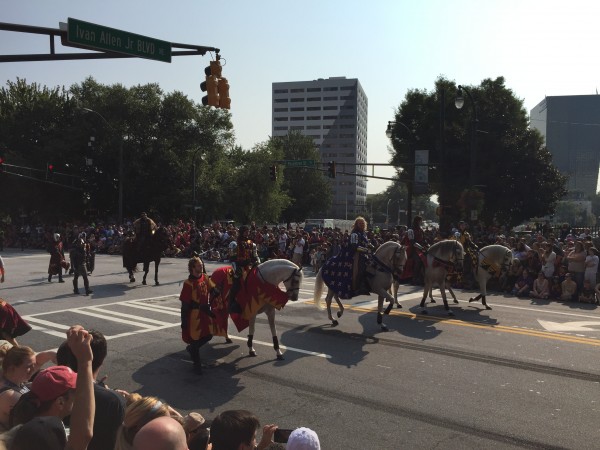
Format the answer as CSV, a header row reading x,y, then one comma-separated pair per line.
x,y
514,174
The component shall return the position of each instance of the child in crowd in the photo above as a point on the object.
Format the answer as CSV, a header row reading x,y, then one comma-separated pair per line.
x,y
540,288
523,285
587,293
555,288
569,289
313,260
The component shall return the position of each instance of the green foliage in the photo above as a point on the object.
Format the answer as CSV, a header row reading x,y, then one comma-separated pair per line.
x,y
513,168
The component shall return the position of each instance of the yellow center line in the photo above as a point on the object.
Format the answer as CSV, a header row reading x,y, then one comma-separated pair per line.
x,y
504,329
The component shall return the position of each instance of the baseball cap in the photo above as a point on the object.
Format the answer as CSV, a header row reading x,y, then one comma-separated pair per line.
x,y
46,433
53,382
303,439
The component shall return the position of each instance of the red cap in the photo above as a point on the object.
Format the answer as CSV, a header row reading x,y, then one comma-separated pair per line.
x,y
53,382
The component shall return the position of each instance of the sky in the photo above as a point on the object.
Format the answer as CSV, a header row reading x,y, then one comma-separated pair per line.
x,y
541,48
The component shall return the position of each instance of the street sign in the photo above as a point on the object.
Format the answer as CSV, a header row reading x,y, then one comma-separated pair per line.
x,y
298,162
99,37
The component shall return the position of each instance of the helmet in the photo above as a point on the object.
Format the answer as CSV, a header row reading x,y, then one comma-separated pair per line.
x,y
56,237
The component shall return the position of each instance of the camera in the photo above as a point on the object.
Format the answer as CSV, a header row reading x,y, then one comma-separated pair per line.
x,y
282,435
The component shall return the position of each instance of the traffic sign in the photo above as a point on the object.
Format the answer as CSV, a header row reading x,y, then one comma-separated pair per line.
x,y
298,162
99,37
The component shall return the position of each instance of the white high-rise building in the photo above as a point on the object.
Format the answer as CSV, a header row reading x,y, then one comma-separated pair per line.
x,y
333,112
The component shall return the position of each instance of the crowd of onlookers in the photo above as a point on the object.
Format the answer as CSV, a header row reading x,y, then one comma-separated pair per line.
x,y
65,406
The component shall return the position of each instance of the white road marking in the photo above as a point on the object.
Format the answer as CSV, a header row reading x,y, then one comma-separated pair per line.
x,y
581,325
283,347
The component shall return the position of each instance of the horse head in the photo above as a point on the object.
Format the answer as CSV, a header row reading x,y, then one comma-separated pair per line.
x,y
449,251
162,237
277,271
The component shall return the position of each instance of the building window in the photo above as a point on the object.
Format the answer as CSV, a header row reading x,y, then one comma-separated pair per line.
x,y
280,91
281,119
347,88
281,100
330,108
297,100
280,128
332,88
313,89
280,109
297,127
313,108
297,118
329,98
330,117
313,99
297,109
313,118
297,90
347,107
313,127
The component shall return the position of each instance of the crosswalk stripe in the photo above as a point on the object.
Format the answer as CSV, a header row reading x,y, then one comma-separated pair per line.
x,y
130,316
114,319
47,323
174,312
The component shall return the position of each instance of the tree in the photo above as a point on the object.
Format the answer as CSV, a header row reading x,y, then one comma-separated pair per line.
x,y
514,170
308,189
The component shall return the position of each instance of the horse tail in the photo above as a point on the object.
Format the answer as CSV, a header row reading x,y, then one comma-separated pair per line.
x,y
318,290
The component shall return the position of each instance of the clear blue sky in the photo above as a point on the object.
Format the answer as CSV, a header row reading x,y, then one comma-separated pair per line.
x,y
540,47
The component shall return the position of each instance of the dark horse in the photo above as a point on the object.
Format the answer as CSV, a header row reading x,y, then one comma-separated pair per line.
x,y
151,251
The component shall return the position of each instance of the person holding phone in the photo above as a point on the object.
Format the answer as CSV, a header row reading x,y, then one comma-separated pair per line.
x,y
236,429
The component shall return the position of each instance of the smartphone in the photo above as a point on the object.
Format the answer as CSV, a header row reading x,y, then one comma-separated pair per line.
x,y
282,435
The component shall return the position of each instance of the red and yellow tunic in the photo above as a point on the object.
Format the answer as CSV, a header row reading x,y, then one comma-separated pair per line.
x,y
196,323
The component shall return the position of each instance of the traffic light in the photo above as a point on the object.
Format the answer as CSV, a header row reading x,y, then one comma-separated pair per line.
x,y
211,85
273,172
331,169
49,171
224,100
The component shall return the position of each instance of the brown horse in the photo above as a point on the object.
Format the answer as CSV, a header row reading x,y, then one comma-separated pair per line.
x,y
151,251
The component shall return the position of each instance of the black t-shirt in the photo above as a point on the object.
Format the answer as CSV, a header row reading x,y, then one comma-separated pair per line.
x,y
110,410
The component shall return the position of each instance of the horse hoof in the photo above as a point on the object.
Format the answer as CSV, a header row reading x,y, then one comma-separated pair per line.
x,y
144,282
472,300
228,341
132,280
339,314
399,306
456,301
384,328
280,358
158,284
379,319
433,301
334,323
488,307
252,353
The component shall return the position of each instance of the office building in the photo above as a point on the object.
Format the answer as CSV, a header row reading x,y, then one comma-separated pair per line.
x,y
571,126
333,113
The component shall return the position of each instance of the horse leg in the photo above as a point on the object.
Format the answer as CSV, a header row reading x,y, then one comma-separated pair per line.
x,y
156,263
146,270
444,298
431,299
270,312
454,299
131,277
426,290
380,313
251,351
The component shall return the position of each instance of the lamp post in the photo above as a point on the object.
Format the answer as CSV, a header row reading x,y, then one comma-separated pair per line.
x,y
459,103
88,110
387,212
389,132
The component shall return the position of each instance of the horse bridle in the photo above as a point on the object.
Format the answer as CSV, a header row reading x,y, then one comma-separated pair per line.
x,y
294,276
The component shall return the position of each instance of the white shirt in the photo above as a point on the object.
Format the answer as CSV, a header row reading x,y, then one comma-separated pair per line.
x,y
299,248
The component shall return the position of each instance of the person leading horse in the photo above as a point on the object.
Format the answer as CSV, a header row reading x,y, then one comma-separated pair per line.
x,y
416,244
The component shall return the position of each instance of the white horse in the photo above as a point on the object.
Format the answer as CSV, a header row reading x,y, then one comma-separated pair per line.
x,y
388,259
442,257
272,272
492,261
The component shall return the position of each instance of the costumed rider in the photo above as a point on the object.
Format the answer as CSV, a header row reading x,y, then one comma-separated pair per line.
x,y
144,228
361,250
414,240
243,256
196,314
79,261
471,249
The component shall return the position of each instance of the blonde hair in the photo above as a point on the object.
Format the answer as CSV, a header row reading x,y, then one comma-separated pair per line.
x,y
139,412
360,219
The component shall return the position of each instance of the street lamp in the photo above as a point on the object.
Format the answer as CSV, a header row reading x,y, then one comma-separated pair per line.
x,y
389,132
88,110
459,103
387,212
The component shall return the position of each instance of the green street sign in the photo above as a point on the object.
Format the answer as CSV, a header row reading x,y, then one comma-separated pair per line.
x,y
298,162
99,37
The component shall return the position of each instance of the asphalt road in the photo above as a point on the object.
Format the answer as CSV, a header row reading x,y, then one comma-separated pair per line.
x,y
522,375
